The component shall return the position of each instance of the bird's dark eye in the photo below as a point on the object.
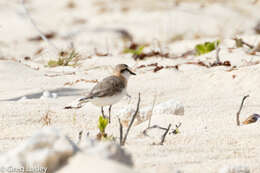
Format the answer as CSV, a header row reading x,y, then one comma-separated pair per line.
x,y
123,70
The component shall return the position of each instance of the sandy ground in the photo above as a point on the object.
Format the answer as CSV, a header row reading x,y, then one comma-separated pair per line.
x,y
209,138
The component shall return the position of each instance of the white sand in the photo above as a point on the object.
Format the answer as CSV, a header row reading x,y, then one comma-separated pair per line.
x,y
209,138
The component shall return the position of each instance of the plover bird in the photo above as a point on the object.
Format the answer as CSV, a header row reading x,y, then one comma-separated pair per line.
x,y
108,91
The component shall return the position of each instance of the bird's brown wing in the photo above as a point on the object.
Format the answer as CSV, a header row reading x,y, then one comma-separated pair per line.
x,y
107,87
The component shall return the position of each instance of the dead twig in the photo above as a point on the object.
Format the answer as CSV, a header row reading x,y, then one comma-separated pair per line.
x,y
240,108
121,131
240,42
123,140
164,135
36,27
158,67
188,53
153,127
150,113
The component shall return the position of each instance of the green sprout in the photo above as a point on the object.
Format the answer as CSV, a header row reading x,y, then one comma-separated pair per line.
x,y
102,124
65,59
102,135
206,47
176,131
136,52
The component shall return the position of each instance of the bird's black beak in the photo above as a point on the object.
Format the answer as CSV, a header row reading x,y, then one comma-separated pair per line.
x,y
132,73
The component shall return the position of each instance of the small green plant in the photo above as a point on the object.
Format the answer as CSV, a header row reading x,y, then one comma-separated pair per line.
x,y
102,124
65,59
206,47
135,51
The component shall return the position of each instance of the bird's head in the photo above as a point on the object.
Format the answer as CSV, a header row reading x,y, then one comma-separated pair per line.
x,y
123,70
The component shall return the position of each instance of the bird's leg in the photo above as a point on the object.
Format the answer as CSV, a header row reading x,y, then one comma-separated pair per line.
x,y
109,113
102,111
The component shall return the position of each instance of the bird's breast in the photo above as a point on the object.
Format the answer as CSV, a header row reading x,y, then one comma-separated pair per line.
x,y
108,100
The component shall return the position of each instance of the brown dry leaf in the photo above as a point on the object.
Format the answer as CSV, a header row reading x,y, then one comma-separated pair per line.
x,y
27,58
157,68
49,35
251,119
142,56
39,51
80,80
225,63
200,63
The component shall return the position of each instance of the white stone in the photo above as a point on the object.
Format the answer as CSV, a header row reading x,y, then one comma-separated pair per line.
x,y
45,94
54,95
46,149
170,107
49,149
106,150
84,163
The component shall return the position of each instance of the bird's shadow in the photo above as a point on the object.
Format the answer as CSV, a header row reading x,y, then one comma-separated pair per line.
x,y
61,92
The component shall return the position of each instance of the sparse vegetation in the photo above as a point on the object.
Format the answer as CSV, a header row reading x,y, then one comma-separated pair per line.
x,y
46,119
65,59
176,50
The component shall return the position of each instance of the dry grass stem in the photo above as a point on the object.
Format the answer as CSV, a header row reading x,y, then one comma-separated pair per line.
x,y
37,28
123,139
165,134
240,108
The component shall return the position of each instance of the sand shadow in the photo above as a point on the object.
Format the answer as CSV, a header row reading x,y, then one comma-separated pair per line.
x,y
61,92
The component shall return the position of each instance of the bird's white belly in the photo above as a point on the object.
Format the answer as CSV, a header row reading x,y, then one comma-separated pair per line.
x,y
109,100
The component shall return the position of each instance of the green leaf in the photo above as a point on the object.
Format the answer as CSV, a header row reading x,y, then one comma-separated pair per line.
x,y
206,47
137,51
52,63
102,124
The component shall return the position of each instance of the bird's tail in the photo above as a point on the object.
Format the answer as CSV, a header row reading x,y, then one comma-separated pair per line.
x,y
79,103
